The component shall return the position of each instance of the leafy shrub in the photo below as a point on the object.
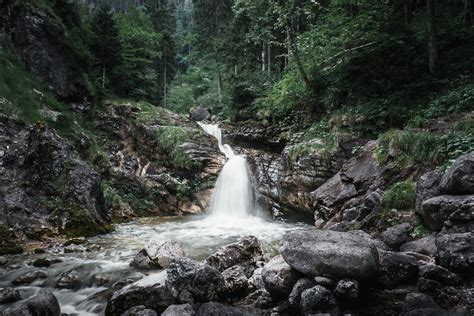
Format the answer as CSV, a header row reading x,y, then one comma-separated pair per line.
x,y
400,196
170,139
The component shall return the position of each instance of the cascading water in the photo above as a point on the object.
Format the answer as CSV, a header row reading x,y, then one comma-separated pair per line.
x,y
232,196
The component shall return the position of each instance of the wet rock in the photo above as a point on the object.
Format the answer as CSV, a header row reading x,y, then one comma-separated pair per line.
x,y
45,263
150,292
414,301
326,282
328,253
40,304
139,311
3,261
397,235
157,255
255,282
440,274
317,300
235,280
301,285
164,252
9,295
427,187
30,277
218,309
459,179
68,280
199,114
397,269
190,281
246,252
279,277
425,246
179,310
456,252
436,211
347,291
74,249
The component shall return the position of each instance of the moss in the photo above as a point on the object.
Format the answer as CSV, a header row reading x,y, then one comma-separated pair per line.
x,y
8,246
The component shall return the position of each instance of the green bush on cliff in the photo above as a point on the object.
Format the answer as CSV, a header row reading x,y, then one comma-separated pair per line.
x,y
400,196
7,245
170,139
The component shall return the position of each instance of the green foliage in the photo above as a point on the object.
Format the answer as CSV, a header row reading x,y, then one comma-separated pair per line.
x,y
419,230
170,139
400,196
8,246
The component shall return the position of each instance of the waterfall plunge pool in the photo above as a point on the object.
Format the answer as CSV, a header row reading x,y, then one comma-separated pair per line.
x,y
99,270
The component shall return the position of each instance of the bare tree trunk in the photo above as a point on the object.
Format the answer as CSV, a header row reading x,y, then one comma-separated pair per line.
x,y
103,76
431,28
219,84
165,88
269,58
263,58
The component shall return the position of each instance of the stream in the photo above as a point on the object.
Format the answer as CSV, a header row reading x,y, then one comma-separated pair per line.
x,y
107,268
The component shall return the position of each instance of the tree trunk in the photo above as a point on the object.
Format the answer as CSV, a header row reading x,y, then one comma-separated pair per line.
x,y
219,84
165,88
295,54
103,76
264,62
431,28
269,58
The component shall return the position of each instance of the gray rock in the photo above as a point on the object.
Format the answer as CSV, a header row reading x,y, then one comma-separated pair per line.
x,y
9,295
139,311
150,291
69,280
328,253
190,281
246,252
440,274
317,300
41,304
459,179
456,252
295,296
436,211
164,252
347,291
157,255
255,282
328,283
279,277
199,114
427,187
218,309
397,269
235,280
414,301
425,246
29,277
179,310
397,235
461,220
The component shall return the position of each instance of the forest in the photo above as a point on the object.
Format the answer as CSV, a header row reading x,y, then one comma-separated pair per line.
x,y
236,157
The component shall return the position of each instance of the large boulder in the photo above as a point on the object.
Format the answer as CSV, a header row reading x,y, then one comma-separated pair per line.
x,y
425,246
157,254
427,187
218,309
318,300
456,252
437,210
150,292
329,253
397,269
459,179
279,277
191,281
40,304
30,277
199,114
396,235
246,252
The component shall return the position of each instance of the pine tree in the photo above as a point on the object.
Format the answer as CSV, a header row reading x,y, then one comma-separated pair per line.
x,y
106,45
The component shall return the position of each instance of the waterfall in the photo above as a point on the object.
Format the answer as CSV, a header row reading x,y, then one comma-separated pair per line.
x,y
233,192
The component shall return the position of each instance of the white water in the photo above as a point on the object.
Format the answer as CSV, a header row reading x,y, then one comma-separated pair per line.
x,y
233,194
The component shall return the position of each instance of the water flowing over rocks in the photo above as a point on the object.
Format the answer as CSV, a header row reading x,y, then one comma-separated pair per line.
x,y
157,255
40,304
